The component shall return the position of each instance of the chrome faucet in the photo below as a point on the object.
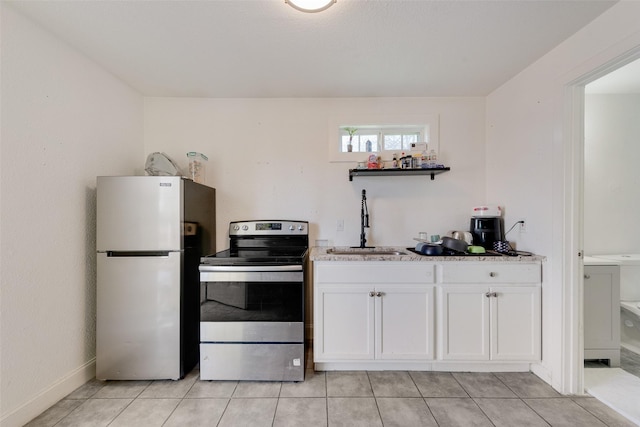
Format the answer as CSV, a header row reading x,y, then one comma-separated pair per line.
x,y
364,220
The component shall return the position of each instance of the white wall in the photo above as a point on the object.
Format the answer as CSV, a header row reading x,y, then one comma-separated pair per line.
x,y
612,155
530,168
268,159
64,121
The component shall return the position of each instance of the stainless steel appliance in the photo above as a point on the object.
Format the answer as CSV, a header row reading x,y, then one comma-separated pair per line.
x,y
252,303
151,233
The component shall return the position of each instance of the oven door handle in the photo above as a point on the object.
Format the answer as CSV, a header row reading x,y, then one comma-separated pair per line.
x,y
232,269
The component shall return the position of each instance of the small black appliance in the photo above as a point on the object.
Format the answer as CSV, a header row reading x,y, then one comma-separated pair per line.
x,y
486,230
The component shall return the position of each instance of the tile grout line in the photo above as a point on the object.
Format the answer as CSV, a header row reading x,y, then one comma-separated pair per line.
x,y
273,420
375,398
129,404
587,409
181,399
424,399
326,395
474,399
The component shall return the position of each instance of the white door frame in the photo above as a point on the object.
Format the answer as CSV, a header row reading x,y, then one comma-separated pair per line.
x,y
573,198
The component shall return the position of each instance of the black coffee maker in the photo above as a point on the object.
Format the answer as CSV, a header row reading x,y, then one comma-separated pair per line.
x,y
486,226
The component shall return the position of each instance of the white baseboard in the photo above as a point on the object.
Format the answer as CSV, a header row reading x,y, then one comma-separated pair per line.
x,y
543,372
427,365
49,396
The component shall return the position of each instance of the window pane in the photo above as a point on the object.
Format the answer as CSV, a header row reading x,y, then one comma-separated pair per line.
x,y
392,142
410,138
369,143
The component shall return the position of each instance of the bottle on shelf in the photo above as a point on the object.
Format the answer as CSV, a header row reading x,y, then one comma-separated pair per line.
x,y
433,159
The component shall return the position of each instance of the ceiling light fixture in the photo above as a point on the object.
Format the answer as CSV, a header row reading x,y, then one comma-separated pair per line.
x,y
310,5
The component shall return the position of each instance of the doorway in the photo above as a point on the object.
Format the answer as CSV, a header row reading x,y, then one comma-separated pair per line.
x,y
611,113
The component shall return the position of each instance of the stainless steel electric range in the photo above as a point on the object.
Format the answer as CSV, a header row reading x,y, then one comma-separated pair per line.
x,y
252,303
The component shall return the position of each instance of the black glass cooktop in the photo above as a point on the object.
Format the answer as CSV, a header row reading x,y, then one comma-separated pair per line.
x,y
265,256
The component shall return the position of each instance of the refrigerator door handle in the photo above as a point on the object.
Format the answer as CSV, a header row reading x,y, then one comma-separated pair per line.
x,y
137,253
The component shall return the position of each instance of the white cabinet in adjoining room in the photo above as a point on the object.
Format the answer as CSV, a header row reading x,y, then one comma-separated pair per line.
x,y
602,312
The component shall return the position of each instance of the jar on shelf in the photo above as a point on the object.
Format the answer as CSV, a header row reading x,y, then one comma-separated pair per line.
x,y
197,166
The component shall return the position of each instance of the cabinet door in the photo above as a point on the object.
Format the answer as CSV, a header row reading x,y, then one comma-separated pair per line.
x,y
464,320
343,322
404,322
515,323
601,307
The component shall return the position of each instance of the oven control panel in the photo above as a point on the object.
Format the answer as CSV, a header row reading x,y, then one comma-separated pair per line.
x,y
268,228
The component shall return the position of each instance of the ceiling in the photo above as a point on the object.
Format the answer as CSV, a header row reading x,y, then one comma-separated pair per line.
x,y
356,48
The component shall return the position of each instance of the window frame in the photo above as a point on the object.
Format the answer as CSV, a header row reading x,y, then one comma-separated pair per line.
x,y
427,123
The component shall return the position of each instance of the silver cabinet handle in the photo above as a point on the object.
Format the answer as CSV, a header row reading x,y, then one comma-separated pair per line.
x,y
493,274
491,294
378,294
372,294
587,276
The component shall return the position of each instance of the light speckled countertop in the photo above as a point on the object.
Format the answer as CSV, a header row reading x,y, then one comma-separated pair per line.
x,y
319,253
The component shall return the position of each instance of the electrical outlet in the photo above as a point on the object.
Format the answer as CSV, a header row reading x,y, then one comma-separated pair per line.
x,y
340,225
523,225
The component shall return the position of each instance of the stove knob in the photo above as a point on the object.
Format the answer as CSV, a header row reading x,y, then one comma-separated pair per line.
x,y
301,227
245,227
236,227
291,228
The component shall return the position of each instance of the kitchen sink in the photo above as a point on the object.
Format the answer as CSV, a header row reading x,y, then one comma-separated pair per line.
x,y
364,251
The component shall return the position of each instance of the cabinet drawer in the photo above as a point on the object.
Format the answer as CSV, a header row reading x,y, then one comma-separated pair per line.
x,y
368,272
491,273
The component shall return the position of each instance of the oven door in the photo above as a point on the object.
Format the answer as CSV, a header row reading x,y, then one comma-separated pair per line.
x,y
252,303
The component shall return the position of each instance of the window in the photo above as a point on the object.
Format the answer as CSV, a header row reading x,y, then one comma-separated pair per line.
x,y
351,140
368,139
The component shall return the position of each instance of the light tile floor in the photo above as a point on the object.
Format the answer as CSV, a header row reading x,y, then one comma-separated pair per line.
x,y
358,398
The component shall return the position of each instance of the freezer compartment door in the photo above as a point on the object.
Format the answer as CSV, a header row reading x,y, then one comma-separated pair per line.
x,y
139,213
138,317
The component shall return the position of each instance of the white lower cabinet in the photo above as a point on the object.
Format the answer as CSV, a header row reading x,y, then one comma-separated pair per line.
x,y
343,322
370,315
602,313
371,320
404,322
490,322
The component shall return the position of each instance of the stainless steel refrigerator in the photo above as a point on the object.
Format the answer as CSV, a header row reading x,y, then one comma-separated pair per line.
x,y
151,233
